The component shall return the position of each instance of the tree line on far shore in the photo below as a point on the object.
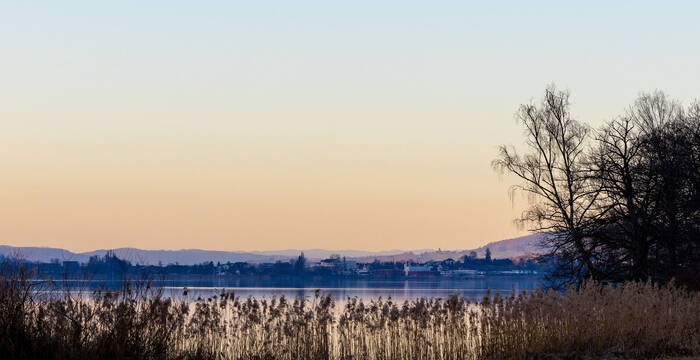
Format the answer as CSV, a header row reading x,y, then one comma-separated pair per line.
x,y
111,267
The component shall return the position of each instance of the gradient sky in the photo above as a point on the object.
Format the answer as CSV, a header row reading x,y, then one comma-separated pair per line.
x,y
295,124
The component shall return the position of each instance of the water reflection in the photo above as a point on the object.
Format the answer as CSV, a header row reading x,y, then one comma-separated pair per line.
x,y
339,288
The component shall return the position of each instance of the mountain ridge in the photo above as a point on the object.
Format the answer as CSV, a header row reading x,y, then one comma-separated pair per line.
x,y
508,248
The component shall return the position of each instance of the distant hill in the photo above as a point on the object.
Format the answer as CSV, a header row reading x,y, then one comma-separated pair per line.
x,y
187,256
184,257
510,248
44,254
324,254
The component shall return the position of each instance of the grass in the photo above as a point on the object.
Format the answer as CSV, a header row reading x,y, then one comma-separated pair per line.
x,y
637,320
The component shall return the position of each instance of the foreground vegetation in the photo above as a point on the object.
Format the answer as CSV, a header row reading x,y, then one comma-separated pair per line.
x,y
636,320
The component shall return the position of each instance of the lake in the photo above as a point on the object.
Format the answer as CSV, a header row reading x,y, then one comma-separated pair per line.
x,y
366,289
472,288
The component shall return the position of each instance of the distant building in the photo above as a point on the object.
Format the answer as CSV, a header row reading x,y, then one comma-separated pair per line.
x,y
364,270
516,272
331,263
417,270
461,272
339,266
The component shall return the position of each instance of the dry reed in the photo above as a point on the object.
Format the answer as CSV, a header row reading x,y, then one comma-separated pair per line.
x,y
637,320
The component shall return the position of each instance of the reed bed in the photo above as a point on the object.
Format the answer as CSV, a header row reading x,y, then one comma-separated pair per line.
x,y
637,320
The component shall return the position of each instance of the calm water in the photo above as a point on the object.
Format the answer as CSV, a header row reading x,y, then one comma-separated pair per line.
x,y
340,289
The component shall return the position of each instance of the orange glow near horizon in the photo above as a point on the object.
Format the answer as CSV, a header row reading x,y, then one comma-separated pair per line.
x,y
277,125
251,197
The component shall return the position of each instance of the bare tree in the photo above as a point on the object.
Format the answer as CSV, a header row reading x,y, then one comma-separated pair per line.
x,y
620,169
621,203
672,148
556,175
646,163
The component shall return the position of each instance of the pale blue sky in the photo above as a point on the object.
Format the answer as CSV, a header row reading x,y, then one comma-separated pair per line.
x,y
134,97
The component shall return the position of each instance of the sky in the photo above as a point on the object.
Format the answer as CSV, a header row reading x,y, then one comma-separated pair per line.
x,y
266,125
